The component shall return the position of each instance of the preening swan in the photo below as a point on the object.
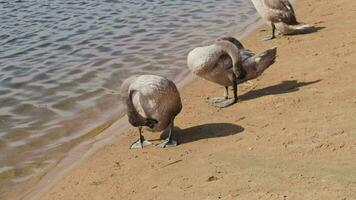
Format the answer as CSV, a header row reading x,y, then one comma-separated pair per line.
x,y
214,63
206,62
280,15
151,101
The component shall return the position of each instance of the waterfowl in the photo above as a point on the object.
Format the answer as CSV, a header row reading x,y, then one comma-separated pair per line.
x,y
214,63
281,16
153,102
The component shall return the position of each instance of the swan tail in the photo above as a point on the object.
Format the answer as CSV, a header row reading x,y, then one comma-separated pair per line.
x,y
257,64
299,28
302,28
265,59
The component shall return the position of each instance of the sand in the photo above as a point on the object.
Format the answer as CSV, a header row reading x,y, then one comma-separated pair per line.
x,y
292,135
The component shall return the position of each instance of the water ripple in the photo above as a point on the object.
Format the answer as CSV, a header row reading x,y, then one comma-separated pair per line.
x,y
62,62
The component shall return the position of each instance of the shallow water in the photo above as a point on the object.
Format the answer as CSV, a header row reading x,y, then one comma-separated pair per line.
x,y
62,62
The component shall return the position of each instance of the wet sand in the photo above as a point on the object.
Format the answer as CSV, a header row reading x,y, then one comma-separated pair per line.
x,y
292,135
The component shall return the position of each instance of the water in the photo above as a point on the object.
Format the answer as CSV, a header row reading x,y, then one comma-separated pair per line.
x,y
62,62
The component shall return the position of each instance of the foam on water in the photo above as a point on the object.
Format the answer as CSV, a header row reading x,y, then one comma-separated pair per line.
x,y
62,62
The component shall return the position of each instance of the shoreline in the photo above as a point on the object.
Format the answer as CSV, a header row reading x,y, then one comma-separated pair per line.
x,y
118,142
82,86
105,137
87,148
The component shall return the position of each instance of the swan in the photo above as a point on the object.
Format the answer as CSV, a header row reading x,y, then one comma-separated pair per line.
x,y
215,64
206,62
151,101
280,15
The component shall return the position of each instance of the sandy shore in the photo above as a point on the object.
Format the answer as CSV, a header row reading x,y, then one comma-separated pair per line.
x,y
292,136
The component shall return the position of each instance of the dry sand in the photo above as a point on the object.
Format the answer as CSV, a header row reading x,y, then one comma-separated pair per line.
x,y
292,136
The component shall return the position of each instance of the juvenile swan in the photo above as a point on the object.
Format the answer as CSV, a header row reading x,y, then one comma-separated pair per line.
x,y
206,62
280,15
215,64
151,101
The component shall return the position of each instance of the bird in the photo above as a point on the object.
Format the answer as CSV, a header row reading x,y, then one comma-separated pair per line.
x,y
215,64
153,102
281,16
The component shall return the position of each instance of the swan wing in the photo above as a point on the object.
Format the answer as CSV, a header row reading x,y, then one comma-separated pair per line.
x,y
281,11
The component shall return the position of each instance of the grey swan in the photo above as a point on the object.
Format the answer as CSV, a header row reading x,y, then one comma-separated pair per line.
x,y
281,16
153,102
215,64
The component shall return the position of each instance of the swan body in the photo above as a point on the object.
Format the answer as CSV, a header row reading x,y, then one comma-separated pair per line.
x,y
152,101
281,16
206,62
212,64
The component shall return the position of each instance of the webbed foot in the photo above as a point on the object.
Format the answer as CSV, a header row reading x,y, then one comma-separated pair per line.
x,y
222,102
268,38
213,100
168,143
140,143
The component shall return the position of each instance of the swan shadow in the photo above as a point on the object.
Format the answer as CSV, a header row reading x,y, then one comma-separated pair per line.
x,y
281,88
205,131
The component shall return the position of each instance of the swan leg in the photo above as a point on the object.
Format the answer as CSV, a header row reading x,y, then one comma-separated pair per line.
x,y
226,92
141,142
273,33
226,101
169,141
